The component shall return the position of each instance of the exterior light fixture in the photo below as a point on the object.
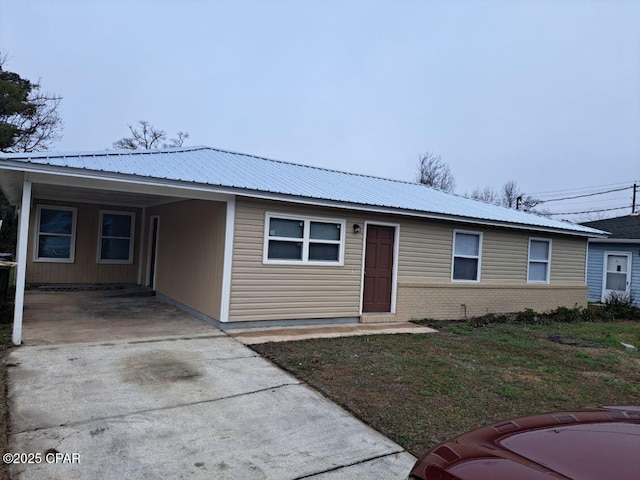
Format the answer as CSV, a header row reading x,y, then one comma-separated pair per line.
x,y
356,228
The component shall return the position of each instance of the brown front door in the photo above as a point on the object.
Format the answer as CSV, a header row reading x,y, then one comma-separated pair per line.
x,y
378,269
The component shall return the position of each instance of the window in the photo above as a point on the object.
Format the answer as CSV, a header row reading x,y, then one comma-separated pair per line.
x,y
115,243
291,240
467,252
55,239
539,260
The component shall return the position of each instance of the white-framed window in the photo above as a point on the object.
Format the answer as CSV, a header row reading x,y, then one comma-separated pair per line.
x,y
55,239
292,239
539,267
467,256
115,237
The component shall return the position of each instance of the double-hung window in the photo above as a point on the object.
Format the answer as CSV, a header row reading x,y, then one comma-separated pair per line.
x,y
56,235
293,240
115,243
467,254
539,267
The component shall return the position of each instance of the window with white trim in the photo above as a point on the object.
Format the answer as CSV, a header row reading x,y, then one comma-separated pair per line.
x,y
467,254
56,234
539,260
293,240
115,242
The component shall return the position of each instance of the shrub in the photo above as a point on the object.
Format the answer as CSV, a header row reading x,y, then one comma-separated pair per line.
x,y
568,315
528,315
619,306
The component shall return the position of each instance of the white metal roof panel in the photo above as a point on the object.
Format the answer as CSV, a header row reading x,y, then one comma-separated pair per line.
x,y
209,166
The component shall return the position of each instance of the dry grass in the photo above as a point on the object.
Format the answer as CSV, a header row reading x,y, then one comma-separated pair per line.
x,y
420,390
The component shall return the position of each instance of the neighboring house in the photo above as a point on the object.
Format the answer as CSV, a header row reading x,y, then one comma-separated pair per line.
x,y
613,264
244,241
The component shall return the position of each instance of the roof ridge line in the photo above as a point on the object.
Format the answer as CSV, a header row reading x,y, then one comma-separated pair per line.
x,y
99,153
106,153
321,168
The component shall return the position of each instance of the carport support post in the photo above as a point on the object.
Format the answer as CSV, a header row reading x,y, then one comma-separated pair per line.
x,y
21,269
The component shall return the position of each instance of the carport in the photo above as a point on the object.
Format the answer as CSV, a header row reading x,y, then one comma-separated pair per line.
x,y
78,314
165,243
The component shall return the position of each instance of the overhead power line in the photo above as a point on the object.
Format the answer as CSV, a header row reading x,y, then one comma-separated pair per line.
x,y
589,211
586,195
568,190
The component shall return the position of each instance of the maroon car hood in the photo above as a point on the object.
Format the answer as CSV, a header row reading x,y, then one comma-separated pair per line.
x,y
592,444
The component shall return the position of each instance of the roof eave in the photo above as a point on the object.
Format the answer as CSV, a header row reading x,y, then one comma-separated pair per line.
x,y
615,240
65,171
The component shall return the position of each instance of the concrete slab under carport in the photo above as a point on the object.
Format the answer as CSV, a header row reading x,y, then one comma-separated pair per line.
x,y
70,316
195,406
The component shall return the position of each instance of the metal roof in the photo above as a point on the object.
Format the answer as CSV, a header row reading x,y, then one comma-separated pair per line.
x,y
240,172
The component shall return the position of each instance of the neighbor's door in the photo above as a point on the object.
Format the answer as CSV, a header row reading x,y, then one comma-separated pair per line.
x,y
378,269
617,274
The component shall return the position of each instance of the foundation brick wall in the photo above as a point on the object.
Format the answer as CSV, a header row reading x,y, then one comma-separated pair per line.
x,y
445,301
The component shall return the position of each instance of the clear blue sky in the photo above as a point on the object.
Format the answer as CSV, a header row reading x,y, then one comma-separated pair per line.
x,y
543,92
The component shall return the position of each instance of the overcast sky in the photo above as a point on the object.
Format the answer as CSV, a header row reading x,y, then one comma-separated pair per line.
x,y
545,93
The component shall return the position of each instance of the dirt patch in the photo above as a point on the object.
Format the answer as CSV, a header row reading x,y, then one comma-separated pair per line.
x,y
590,374
523,376
160,368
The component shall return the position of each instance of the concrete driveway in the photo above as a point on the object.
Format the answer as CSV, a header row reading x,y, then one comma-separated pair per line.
x,y
196,406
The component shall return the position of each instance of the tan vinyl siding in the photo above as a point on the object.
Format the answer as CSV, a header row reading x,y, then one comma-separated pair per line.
x,y
274,292
425,250
504,256
190,253
426,254
568,257
85,268
503,286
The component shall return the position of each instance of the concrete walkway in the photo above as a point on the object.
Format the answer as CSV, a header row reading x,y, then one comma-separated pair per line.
x,y
252,336
196,406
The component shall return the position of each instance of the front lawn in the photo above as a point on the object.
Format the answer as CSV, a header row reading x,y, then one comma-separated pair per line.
x,y
421,390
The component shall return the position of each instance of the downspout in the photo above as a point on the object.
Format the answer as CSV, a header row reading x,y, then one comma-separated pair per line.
x,y
21,269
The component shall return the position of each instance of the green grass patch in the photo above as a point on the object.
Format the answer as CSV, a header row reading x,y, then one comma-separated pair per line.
x,y
421,390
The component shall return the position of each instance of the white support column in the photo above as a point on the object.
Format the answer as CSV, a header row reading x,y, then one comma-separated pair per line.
x,y
143,222
225,299
21,269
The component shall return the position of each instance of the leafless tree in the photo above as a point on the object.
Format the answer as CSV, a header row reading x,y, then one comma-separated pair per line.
x,y
486,194
178,140
510,193
146,136
510,196
29,119
433,172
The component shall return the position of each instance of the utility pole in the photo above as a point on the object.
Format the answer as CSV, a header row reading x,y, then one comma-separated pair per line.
x,y
633,202
518,200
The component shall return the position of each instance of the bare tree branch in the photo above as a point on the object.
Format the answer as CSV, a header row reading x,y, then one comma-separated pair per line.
x,y
510,194
178,140
146,136
486,194
433,172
